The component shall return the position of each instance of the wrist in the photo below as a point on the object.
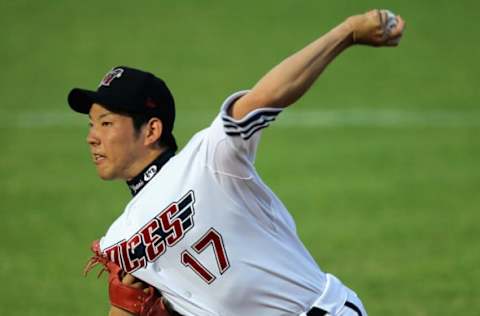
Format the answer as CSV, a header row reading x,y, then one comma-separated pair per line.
x,y
348,27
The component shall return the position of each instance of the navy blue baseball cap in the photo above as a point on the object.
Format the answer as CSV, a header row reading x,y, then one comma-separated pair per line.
x,y
129,90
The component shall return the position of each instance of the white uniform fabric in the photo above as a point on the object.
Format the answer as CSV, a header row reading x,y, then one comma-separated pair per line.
x,y
338,300
212,237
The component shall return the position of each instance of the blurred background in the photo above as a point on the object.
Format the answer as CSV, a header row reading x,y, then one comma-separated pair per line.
x,y
378,163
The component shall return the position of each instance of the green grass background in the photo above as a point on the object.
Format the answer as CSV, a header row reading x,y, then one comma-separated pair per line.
x,y
392,209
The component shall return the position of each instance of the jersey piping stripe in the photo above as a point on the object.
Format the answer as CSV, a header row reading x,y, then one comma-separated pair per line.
x,y
250,118
246,131
354,307
246,136
231,126
315,311
231,129
247,128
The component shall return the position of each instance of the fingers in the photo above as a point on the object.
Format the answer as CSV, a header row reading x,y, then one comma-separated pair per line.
x,y
140,285
384,31
391,27
377,28
130,280
396,33
398,30
393,42
381,17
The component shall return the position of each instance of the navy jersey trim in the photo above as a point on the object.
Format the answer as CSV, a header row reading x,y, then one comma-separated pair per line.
x,y
250,124
315,311
137,183
250,133
354,307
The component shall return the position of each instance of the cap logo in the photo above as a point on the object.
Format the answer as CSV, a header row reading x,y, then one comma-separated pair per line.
x,y
112,74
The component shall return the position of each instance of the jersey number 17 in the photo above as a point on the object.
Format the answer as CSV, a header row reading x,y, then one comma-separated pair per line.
x,y
210,238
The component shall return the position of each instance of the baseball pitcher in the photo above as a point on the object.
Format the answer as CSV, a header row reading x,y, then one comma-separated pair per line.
x,y
202,234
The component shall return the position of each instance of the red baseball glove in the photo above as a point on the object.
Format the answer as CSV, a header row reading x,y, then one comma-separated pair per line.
x,y
137,301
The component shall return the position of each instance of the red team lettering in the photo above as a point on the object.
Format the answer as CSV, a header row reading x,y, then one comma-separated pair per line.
x,y
152,240
155,246
130,262
171,224
213,238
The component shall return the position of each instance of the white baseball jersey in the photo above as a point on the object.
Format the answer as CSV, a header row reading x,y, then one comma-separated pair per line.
x,y
210,235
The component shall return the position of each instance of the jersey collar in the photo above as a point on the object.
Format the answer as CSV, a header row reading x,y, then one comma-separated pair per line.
x,y
136,184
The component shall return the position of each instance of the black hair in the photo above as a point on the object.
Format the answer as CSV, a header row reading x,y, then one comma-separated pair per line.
x,y
139,119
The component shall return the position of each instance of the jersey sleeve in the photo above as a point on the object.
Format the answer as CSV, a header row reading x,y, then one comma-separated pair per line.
x,y
233,143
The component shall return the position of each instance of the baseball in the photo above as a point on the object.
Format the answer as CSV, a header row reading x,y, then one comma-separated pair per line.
x,y
391,21
390,25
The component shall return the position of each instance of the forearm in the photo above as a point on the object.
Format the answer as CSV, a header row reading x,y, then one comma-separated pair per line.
x,y
289,80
